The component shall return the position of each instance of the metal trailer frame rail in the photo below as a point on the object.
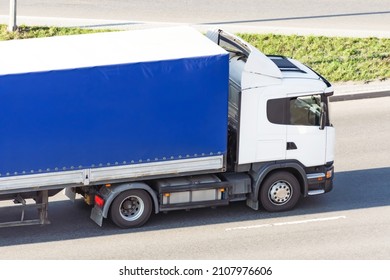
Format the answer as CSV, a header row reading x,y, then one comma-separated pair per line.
x,y
121,173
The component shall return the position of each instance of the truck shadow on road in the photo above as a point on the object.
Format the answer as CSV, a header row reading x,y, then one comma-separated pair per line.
x,y
69,221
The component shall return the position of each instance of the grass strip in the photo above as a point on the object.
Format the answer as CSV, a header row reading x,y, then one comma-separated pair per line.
x,y
26,32
336,58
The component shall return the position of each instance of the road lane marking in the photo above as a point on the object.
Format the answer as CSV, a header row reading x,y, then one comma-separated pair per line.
x,y
249,227
287,223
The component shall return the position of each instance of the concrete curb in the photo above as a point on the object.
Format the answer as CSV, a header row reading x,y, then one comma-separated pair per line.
x,y
359,90
357,96
231,27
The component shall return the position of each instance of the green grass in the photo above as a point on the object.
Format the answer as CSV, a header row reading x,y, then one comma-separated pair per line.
x,y
25,32
337,59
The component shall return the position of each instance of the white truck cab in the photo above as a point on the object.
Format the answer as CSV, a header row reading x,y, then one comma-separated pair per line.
x,y
278,119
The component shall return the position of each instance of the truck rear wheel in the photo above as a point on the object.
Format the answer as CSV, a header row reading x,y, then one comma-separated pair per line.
x,y
280,192
131,208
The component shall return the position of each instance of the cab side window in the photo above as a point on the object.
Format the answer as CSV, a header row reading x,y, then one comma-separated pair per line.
x,y
303,110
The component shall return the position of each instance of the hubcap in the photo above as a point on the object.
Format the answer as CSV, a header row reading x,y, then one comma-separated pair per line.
x,y
280,192
131,208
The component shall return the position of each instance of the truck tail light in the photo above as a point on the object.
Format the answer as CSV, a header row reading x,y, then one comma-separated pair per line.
x,y
99,201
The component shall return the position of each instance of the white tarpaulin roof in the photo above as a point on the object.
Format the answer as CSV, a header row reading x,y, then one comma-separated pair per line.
x,y
68,52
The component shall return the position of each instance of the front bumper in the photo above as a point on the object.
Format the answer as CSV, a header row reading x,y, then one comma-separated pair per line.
x,y
321,182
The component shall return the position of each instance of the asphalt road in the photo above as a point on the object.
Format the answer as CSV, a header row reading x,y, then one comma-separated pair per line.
x,y
351,222
347,17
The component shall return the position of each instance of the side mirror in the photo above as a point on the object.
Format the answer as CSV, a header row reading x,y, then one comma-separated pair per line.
x,y
323,116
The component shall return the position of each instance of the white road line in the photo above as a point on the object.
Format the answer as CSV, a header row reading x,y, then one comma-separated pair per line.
x,y
249,227
288,223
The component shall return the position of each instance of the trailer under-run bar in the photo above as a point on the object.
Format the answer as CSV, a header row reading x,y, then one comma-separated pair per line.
x,y
41,204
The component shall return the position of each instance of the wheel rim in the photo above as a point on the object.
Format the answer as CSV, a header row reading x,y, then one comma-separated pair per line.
x,y
280,192
131,208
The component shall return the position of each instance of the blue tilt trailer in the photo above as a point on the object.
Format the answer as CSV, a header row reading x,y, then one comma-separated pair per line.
x,y
102,108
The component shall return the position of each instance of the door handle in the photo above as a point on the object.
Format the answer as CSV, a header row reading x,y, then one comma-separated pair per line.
x,y
291,146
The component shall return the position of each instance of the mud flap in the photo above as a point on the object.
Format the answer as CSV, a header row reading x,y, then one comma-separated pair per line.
x,y
97,215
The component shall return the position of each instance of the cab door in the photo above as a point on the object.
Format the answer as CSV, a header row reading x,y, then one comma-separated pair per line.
x,y
306,139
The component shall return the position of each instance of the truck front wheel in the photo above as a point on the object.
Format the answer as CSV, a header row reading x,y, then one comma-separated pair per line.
x,y
131,208
279,192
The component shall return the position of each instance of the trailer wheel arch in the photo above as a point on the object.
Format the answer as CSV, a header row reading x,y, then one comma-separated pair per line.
x,y
118,189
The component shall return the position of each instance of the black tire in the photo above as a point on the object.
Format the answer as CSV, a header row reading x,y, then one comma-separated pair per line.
x,y
131,208
280,191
